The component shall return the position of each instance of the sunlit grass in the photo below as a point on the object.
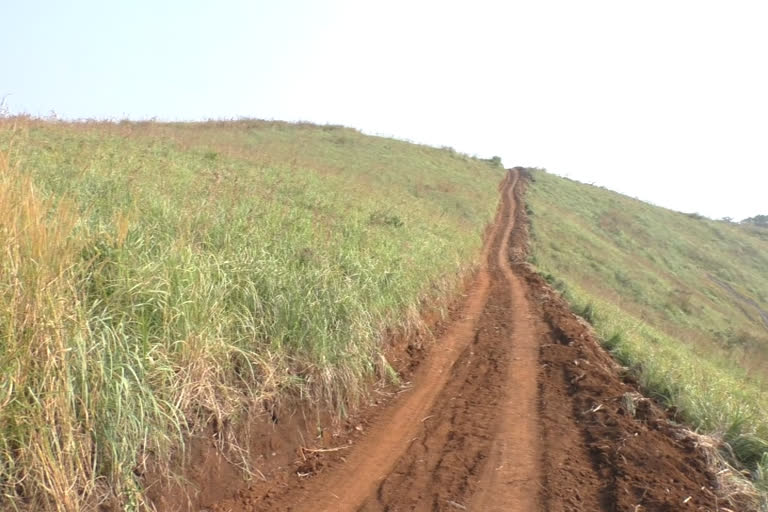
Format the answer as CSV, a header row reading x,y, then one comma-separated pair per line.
x,y
157,279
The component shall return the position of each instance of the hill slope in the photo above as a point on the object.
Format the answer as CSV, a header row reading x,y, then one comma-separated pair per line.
x,y
158,278
679,298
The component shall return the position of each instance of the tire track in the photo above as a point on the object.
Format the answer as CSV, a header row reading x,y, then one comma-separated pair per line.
x,y
516,409
350,487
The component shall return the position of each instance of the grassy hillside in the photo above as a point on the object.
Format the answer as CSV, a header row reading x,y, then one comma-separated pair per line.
x,y
681,299
158,277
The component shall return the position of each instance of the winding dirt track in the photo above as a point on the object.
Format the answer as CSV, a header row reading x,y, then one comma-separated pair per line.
x,y
516,408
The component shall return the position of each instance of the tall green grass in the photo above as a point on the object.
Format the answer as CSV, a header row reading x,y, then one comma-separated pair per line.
x,y
643,277
158,279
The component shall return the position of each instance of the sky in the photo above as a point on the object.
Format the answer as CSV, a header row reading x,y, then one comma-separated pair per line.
x,y
666,101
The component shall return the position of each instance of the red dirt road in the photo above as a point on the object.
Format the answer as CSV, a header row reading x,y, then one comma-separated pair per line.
x,y
515,408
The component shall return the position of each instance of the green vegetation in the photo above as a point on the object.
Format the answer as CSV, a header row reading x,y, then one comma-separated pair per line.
x,y
679,299
160,278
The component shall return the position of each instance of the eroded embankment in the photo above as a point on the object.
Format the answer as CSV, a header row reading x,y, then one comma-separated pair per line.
x,y
515,408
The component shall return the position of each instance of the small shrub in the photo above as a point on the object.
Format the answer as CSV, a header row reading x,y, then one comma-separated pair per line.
x,y
613,341
587,312
383,218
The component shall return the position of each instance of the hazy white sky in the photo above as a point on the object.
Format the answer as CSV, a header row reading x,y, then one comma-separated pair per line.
x,y
663,100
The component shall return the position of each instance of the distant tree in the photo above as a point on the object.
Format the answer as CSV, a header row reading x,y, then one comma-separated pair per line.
x,y
4,110
757,220
495,161
727,219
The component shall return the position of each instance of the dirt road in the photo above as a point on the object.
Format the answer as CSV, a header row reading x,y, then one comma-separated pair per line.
x,y
516,408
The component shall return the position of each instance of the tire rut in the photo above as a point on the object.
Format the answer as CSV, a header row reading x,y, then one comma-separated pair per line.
x,y
357,482
485,417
